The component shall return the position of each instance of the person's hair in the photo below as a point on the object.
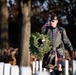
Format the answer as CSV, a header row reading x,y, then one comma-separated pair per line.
x,y
53,16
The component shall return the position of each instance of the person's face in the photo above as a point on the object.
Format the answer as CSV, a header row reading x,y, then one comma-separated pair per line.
x,y
54,22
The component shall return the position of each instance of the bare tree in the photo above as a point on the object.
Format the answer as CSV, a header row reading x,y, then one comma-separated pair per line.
x,y
3,24
25,35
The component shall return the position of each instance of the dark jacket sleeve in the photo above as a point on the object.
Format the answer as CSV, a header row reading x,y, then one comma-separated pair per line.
x,y
44,29
66,41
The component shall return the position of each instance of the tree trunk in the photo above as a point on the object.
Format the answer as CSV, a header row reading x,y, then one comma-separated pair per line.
x,y
25,37
3,25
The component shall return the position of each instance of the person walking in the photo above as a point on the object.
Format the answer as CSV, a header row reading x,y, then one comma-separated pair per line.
x,y
58,37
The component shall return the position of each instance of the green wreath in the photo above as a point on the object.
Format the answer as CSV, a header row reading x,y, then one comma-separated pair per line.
x,y
39,45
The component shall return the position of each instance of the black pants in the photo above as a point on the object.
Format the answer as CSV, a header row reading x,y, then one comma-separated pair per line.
x,y
53,72
56,72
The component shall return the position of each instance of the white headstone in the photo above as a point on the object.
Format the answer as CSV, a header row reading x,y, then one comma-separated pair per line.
x,y
1,68
33,67
14,70
42,73
37,65
25,71
73,67
66,67
7,67
40,65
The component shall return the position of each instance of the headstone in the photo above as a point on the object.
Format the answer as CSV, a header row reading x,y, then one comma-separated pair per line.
x,y
14,70
73,67
42,73
66,67
25,71
1,68
7,67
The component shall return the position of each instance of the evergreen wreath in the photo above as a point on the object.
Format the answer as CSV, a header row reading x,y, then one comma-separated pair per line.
x,y
39,44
